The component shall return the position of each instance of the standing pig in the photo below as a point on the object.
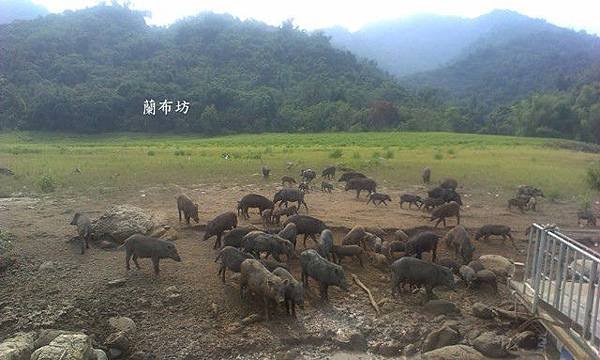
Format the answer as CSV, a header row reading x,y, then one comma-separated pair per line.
x,y
307,225
256,278
446,210
140,246
286,195
231,258
408,270
351,175
467,274
279,212
252,201
493,229
234,236
325,244
322,270
84,229
423,242
458,241
360,184
289,232
426,175
294,291
188,207
220,224
355,236
341,251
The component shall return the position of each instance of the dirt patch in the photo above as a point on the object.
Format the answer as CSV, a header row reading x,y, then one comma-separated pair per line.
x,y
74,292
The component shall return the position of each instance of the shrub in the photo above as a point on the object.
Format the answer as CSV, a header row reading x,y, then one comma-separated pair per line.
x,y
151,153
336,154
47,184
593,177
389,154
356,155
438,156
451,151
179,152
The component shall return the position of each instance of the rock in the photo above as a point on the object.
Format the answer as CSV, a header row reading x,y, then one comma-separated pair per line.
x,y
400,235
490,344
117,282
250,319
172,289
106,244
388,348
46,336
444,336
120,222
122,323
173,299
482,311
526,340
47,266
100,354
66,347
18,347
350,340
497,264
292,354
118,340
441,307
115,353
453,352
140,355
409,350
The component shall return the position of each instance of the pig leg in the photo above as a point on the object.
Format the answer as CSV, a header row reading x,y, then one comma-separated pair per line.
x,y
305,206
433,253
223,269
137,265
187,219
429,292
127,258
179,211
323,291
266,301
357,193
438,222
305,235
83,244
293,307
458,219
155,261
360,260
217,241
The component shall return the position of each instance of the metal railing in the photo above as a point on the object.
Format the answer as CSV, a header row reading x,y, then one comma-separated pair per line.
x,y
563,274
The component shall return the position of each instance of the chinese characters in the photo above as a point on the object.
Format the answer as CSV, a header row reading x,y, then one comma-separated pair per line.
x,y
165,107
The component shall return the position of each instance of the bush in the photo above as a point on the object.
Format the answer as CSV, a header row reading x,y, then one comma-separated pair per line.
x,y
151,153
593,177
336,154
179,152
356,155
438,156
451,151
389,154
47,184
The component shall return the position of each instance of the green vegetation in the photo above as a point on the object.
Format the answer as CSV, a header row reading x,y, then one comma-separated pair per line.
x,y
116,162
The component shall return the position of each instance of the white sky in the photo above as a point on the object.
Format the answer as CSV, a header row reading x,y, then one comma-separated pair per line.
x,y
352,14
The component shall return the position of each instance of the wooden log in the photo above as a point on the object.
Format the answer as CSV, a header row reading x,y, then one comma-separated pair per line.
x,y
366,289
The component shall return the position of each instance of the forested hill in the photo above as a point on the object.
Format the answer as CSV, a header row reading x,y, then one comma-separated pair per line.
x,y
11,10
91,70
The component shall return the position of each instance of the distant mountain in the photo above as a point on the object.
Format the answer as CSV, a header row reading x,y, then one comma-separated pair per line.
x,y
11,10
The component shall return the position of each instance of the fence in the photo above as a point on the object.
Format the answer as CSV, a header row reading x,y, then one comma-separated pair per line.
x,y
563,274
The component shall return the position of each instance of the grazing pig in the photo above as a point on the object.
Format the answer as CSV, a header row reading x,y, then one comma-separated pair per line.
x,y
141,247
493,229
355,236
467,274
437,192
279,212
431,203
234,236
289,232
388,248
411,199
308,175
447,210
324,271
329,173
265,171
256,278
379,198
284,196
450,264
326,187
271,264
351,175
475,265
372,242
218,225
231,258
287,180
449,183
586,215
341,251
254,201
486,277
267,216
423,242
189,209
325,244
518,202
452,195
426,175
360,184
294,291
268,243
457,240
307,226
84,230
529,191
411,271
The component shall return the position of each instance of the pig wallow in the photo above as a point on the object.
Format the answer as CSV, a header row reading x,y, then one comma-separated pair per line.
x,y
325,272
140,247
411,271
260,281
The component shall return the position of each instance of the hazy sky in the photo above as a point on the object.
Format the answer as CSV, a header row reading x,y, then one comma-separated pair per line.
x,y
314,14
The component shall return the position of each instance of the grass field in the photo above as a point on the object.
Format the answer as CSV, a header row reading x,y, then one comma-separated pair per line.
x,y
116,162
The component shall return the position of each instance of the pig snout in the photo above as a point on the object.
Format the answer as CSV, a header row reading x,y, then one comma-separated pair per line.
x,y
176,257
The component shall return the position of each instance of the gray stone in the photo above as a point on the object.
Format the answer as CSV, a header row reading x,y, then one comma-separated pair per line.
x,y
482,311
453,352
47,266
444,336
117,282
490,344
122,323
497,264
46,336
120,222
100,354
118,340
18,347
350,340
389,348
173,299
250,319
441,307
66,347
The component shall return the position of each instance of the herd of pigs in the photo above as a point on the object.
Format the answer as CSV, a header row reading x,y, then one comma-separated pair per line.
x,y
258,255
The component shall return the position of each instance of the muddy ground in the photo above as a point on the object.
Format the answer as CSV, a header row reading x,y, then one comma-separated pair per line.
x,y
74,293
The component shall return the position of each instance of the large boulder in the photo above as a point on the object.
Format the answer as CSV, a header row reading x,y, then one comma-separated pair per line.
x,y
497,264
453,352
482,311
66,347
18,347
491,344
444,336
120,222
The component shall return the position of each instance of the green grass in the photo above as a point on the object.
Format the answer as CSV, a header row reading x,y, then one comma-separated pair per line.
x,y
122,161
